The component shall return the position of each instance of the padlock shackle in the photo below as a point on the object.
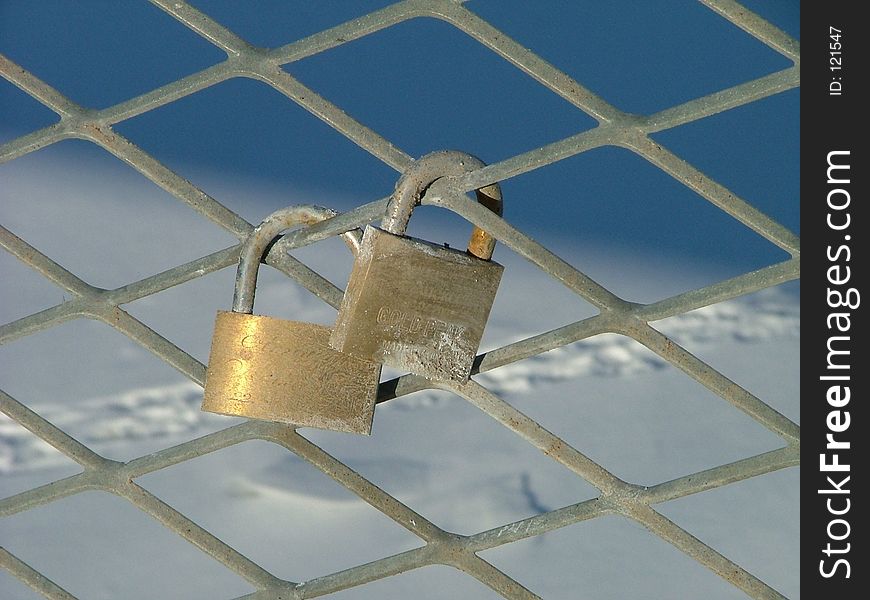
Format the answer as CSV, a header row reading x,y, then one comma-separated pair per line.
x,y
421,174
261,239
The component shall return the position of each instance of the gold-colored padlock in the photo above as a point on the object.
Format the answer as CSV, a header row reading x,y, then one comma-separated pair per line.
x,y
266,368
414,305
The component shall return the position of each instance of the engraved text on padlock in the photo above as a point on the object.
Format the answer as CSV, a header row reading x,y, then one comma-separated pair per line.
x,y
414,305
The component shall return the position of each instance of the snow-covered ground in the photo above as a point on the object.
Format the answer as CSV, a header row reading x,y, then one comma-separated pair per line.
x,y
608,396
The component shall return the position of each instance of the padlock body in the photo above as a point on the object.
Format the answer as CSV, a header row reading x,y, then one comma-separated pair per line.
x,y
416,306
266,368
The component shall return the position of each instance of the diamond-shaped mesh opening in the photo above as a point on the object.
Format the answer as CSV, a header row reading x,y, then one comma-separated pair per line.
x,y
735,148
279,511
251,132
758,510
100,220
273,144
640,74
592,391
138,48
96,545
194,304
398,82
138,405
735,336
430,447
634,229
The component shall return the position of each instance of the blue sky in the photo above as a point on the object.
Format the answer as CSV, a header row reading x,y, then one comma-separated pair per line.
x,y
425,85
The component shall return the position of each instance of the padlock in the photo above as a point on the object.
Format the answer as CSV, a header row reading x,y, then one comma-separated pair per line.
x,y
414,305
266,368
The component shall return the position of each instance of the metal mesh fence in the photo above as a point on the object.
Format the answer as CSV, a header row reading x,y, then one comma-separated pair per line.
x,y
615,315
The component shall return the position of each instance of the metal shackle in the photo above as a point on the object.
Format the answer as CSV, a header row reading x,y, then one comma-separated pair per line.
x,y
421,174
261,238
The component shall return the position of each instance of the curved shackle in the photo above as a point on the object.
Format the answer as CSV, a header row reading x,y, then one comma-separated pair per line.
x,y
261,238
421,174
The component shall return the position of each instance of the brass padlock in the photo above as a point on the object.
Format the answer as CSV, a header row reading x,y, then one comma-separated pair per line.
x,y
266,368
414,305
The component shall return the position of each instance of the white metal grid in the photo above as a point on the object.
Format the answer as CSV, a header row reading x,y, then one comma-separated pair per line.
x,y
616,315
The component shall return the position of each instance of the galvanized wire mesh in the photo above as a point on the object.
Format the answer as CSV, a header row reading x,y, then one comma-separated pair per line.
x,y
616,315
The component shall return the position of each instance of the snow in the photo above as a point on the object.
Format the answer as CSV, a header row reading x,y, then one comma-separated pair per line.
x,y
608,396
